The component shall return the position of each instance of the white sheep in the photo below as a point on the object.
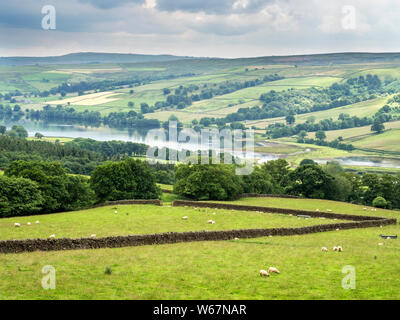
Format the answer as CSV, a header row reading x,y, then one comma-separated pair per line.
x,y
335,249
37,222
380,244
17,225
28,224
364,209
339,249
93,236
337,229
317,210
329,210
264,273
53,236
211,221
324,249
184,218
236,239
115,211
273,270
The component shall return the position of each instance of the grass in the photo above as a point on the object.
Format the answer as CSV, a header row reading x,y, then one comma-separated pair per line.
x,y
207,270
386,141
141,219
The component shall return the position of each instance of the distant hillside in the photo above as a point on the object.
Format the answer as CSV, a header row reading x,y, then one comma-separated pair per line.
x,y
90,57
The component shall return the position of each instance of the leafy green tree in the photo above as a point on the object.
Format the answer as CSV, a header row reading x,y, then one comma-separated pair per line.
x,y
320,135
128,179
56,186
379,202
279,171
307,161
290,119
207,182
19,196
377,127
38,135
3,129
310,181
259,181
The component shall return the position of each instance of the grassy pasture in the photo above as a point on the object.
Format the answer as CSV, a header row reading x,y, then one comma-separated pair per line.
x,y
141,219
218,269
386,141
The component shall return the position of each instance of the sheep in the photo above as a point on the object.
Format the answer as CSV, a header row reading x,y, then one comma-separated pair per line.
x,y
28,223
17,225
53,236
317,210
273,270
380,244
335,249
329,210
37,222
184,218
236,239
211,221
264,273
324,249
364,209
93,236
116,212
337,229
339,249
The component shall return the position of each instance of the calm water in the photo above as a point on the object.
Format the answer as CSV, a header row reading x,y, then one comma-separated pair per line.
x,y
106,134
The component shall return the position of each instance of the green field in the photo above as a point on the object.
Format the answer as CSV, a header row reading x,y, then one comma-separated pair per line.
x,y
205,270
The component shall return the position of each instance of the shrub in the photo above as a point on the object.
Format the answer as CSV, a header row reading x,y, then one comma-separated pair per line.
x,y
379,202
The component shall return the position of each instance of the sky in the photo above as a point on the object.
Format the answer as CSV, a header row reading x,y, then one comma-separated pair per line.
x,y
206,28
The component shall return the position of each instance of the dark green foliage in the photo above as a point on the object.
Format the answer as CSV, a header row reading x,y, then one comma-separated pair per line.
x,y
128,179
19,196
379,202
310,181
60,191
207,182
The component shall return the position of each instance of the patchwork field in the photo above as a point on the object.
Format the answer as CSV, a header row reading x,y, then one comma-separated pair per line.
x,y
223,269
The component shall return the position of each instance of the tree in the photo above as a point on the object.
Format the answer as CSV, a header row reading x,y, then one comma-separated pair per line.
x,y
320,135
19,196
310,181
3,129
38,135
279,171
130,104
124,180
207,182
57,188
306,161
259,181
377,127
379,202
290,119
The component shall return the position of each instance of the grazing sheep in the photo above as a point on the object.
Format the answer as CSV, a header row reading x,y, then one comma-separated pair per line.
x,y
380,244
329,210
184,218
214,213
53,236
324,249
335,249
273,270
116,211
211,221
93,236
37,222
264,273
317,210
339,249
337,229
364,209
28,223
236,239
17,225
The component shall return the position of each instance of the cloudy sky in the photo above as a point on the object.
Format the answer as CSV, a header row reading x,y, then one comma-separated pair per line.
x,y
212,28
